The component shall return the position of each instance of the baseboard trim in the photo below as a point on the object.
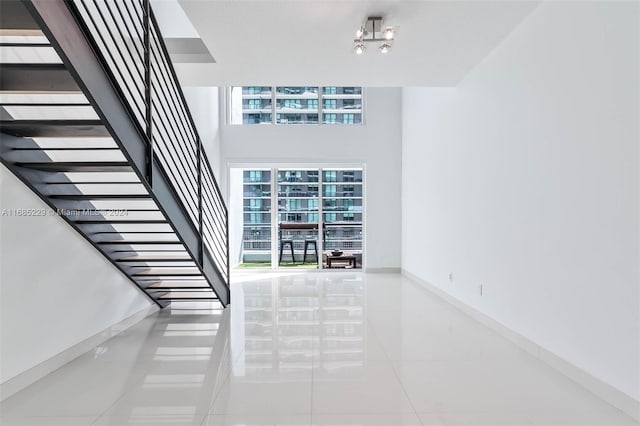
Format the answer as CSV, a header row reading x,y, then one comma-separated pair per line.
x,y
26,378
390,270
608,393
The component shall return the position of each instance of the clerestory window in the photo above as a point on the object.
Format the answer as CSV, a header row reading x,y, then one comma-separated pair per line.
x,y
296,105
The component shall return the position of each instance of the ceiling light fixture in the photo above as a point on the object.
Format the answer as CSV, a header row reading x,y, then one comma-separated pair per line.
x,y
372,31
388,33
384,47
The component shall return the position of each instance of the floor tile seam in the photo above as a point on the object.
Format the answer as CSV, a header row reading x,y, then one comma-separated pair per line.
x,y
262,413
360,413
393,368
204,419
377,337
48,416
224,415
119,398
201,423
446,423
406,394
315,337
226,382
227,379
525,414
159,315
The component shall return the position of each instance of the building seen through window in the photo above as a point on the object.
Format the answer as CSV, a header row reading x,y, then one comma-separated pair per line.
x,y
296,105
331,198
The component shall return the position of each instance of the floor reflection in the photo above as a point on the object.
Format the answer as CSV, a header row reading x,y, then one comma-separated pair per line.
x,y
325,348
285,325
166,369
184,365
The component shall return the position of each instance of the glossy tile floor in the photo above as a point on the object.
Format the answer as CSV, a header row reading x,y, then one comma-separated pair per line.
x,y
310,349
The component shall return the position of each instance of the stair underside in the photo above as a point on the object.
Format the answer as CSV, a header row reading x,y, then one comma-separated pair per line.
x,y
54,140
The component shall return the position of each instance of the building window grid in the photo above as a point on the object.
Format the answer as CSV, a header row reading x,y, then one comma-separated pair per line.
x,y
330,118
276,118
330,103
342,210
255,103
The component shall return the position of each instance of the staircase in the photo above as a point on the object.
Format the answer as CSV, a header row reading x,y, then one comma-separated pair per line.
x,y
94,121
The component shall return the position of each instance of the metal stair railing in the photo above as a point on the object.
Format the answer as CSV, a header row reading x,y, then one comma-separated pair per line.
x,y
94,121
127,39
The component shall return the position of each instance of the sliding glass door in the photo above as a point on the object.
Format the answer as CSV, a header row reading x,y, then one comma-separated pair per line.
x,y
302,218
256,227
342,217
298,218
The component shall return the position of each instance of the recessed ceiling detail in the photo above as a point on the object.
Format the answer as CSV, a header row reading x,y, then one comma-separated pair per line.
x,y
188,50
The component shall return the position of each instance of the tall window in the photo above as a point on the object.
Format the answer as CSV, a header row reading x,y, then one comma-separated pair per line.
x,y
295,105
301,195
256,240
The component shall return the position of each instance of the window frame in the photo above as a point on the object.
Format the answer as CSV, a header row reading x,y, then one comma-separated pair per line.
x,y
320,110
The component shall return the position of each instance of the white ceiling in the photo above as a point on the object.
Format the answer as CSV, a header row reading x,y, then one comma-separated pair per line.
x,y
310,41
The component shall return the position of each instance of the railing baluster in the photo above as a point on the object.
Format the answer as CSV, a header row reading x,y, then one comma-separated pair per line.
x,y
156,101
147,93
200,215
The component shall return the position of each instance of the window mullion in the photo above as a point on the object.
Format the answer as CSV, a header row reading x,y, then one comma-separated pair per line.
x,y
273,104
320,106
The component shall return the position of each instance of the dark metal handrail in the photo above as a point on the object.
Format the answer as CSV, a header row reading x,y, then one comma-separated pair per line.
x,y
129,43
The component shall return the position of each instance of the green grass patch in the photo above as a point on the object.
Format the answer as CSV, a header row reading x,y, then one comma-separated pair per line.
x,y
267,265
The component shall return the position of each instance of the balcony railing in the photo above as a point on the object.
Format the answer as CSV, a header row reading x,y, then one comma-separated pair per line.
x,y
127,40
337,236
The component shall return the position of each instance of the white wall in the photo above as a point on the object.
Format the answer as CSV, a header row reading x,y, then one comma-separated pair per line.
x,y
525,179
203,103
56,289
377,145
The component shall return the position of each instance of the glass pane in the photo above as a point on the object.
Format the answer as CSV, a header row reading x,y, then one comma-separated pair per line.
x,y
251,105
342,105
256,239
298,217
296,105
342,207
